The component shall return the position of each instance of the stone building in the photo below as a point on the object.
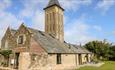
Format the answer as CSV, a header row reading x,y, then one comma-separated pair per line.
x,y
37,50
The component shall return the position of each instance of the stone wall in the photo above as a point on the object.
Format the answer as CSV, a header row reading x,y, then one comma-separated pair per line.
x,y
49,62
24,61
39,62
8,37
46,61
69,61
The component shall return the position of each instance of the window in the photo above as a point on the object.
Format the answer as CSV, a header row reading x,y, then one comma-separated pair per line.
x,y
58,58
20,40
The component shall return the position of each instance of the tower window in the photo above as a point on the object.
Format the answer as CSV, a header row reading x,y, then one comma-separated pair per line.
x,y
58,58
54,22
21,39
51,22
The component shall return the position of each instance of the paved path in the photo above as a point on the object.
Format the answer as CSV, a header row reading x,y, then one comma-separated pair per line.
x,y
90,64
6,68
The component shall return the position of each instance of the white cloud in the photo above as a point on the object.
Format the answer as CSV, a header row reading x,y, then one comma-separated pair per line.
x,y
105,5
30,7
78,31
5,4
38,20
74,4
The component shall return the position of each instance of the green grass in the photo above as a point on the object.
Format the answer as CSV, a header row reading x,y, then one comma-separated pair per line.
x,y
109,65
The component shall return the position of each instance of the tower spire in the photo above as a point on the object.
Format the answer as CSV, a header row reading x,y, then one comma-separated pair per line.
x,y
52,3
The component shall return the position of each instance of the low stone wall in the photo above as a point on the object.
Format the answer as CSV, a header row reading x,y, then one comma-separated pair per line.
x,y
48,62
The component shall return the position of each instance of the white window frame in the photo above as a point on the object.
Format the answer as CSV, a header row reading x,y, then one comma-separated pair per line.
x,y
24,39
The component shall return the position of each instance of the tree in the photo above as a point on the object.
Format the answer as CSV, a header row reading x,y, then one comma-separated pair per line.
x,y
99,48
6,55
112,53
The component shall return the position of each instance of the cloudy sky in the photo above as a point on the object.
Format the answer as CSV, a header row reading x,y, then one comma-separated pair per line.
x,y
84,20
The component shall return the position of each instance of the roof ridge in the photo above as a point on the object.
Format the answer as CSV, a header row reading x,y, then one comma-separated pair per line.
x,y
13,29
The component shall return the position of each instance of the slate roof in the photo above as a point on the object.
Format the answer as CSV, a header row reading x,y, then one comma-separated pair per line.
x,y
52,45
78,48
52,3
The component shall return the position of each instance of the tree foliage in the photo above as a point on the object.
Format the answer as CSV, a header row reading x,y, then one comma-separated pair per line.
x,y
112,53
99,48
6,55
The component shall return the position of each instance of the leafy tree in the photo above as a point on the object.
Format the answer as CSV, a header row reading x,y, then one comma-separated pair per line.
x,y
6,54
112,53
99,48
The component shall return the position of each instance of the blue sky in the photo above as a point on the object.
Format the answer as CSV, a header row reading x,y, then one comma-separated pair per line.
x,y
84,20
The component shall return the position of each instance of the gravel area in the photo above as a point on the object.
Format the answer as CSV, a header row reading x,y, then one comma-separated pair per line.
x,y
91,64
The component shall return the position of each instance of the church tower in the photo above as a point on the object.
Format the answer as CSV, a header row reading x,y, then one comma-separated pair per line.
x,y
54,23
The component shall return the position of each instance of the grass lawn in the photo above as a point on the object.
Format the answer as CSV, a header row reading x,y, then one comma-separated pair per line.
x,y
109,65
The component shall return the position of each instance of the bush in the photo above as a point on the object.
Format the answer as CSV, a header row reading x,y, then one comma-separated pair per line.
x,y
6,55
